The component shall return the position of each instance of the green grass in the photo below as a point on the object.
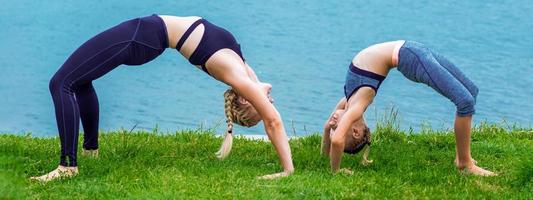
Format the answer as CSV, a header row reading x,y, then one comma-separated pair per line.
x,y
182,165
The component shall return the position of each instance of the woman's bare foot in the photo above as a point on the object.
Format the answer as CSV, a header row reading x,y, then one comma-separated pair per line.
x,y
90,153
60,172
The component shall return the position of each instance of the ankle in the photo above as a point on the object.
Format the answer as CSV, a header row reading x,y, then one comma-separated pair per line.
x,y
62,168
92,152
463,165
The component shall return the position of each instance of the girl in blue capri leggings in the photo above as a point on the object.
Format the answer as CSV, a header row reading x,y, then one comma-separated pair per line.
x,y
418,63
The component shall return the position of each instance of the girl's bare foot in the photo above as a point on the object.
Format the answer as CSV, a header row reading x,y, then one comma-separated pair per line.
x,y
90,153
60,172
274,176
475,170
472,168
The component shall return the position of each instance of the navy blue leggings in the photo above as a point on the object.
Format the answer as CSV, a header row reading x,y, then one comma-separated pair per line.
x,y
133,42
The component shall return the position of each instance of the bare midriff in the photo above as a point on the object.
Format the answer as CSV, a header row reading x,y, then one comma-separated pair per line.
x,y
378,58
396,52
177,26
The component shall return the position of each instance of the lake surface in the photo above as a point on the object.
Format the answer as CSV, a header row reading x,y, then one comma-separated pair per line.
x,y
302,47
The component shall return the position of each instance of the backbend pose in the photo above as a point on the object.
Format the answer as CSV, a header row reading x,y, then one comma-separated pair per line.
x,y
357,139
139,41
419,64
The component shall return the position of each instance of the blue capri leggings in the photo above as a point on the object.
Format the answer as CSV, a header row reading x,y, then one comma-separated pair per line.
x,y
133,42
420,64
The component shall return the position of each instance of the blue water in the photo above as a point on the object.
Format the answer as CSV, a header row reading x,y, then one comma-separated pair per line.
x,y
302,47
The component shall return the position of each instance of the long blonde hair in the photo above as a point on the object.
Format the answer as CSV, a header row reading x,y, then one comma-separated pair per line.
x,y
234,113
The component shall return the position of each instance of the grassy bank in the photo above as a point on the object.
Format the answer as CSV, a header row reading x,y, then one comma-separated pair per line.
x,y
183,165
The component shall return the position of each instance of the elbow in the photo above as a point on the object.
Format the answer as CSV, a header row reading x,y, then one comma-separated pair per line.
x,y
274,128
273,124
337,143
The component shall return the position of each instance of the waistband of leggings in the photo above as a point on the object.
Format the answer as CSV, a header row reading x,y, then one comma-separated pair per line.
x,y
368,74
163,31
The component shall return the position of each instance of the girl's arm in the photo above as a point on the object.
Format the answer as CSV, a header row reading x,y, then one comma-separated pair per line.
x,y
341,104
326,140
326,137
357,106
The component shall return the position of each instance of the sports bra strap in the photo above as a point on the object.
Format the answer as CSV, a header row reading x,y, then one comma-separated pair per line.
x,y
188,33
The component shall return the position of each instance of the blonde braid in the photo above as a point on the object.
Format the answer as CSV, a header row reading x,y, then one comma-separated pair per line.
x,y
225,148
229,95
235,113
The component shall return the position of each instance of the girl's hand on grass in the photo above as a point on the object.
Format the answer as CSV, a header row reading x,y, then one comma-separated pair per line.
x,y
274,176
346,171
366,162
366,151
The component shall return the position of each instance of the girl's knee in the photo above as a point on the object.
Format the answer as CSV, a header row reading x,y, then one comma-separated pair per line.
x,y
466,107
475,91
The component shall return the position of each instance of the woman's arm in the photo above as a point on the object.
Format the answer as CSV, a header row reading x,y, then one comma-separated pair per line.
x,y
271,119
251,72
360,101
223,66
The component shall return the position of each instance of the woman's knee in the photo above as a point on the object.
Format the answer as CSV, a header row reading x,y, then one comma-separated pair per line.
x,y
58,84
55,83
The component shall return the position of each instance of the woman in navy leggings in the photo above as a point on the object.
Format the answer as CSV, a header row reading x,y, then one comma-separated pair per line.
x,y
139,41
